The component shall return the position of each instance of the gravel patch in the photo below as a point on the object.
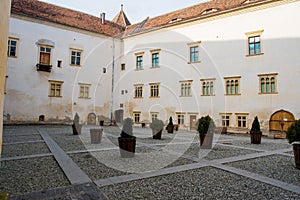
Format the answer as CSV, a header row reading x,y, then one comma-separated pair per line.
x,y
21,138
14,150
93,167
180,161
56,129
68,142
203,183
28,175
19,130
266,144
275,166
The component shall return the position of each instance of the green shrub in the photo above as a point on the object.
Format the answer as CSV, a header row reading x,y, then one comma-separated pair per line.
x,y
255,125
127,131
170,121
157,125
205,124
293,133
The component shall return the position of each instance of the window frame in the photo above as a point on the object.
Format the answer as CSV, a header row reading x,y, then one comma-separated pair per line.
x,y
232,85
55,83
241,116
208,87
40,46
137,115
76,57
269,76
154,87
9,46
153,52
186,88
254,34
85,87
155,114
225,117
138,91
139,61
196,53
123,67
180,118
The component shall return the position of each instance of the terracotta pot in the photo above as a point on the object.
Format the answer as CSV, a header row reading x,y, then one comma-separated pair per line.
x,y
156,134
255,137
170,128
206,140
127,147
296,148
96,135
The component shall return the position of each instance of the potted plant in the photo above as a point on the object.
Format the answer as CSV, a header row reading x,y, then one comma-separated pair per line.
x,y
76,127
157,126
255,132
170,126
126,140
205,127
293,136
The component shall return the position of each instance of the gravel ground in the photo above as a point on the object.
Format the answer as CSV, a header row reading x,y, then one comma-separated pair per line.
x,y
203,183
21,138
68,141
275,166
13,150
19,130
58,129
28,175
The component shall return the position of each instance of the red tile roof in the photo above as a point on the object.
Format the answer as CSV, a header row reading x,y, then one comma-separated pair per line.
x,y
121,19
56,14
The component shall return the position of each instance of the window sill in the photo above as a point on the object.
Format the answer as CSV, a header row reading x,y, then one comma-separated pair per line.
x,y
186,96
194,62
12,56
157,67
84,97
73,65
139,69
232,94
154,97
55,96
251,55
137,98
208,95
260,93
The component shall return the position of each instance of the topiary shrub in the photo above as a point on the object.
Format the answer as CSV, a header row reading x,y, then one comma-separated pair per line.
x,y
127,131
205,124
170,121
157,125
255,125
293,133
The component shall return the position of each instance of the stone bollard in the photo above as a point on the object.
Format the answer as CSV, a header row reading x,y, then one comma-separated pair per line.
x,y
96,135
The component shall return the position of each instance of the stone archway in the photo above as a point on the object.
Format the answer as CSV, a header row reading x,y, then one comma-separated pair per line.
x,y
279,123
91,119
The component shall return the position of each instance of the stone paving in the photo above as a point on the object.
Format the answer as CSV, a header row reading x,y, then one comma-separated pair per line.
x,y
49,162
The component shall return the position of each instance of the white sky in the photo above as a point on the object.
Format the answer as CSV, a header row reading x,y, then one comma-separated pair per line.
x,y
136,10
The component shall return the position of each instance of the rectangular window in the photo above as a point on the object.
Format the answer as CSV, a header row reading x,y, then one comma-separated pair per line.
x,y
76,57
84,91
45,55
268,83
136,116
138,91
241,120
254,43
208,87
180,119
185,88
139,62
154,90
155,60
154,116
12,47
225,120
122,66
55,88
232,85
194,54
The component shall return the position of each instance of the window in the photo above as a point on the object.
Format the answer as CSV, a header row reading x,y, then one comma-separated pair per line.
x,y
12,47
76,57
84,91
254,43
136,116
241,120
225,120
194,52
45,55
185,88
155,58
154,116
232,85
180,119
268,83
138,91
122,66
208,87
139,60
55,88
154,90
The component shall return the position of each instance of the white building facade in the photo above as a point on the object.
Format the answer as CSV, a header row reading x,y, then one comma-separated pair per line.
x,y
232,64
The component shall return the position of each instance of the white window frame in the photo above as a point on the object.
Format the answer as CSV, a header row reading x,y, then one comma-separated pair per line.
x,y
154,90
254,34
243,118
10,39
84,90
55,88
194,45
76,56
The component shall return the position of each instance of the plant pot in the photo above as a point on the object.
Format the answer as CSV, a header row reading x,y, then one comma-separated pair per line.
x,y
127,147
255,137
296,148
170,128
96,135
156,134
206,140
76,129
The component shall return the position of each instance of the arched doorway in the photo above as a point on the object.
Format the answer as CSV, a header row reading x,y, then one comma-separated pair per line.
x,y
119,114
91,120
279,123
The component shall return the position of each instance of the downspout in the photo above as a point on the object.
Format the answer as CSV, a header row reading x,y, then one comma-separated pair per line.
x,y
112,82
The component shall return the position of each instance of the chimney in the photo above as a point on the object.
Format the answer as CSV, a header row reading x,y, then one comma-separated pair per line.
x,y
102,17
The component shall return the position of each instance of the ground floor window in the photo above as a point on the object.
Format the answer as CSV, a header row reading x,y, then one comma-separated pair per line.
x,y
180,119
136,116
225,120
154,116
241,120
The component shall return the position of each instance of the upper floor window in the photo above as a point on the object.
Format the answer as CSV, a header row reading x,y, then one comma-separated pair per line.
x,y
154,90
76,57
122,66
138,91
232,85
139,60
194,52
208,87
12,47
185,88
55,88
45,55
268,83
254,43
84,91
155,58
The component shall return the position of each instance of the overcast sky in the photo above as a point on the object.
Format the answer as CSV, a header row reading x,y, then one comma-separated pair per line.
x,y
136,10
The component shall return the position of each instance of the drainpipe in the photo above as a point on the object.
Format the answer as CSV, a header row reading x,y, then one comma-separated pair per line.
x,y
112,82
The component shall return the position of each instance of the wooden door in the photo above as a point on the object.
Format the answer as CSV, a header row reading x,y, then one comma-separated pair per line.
x,y
193,122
